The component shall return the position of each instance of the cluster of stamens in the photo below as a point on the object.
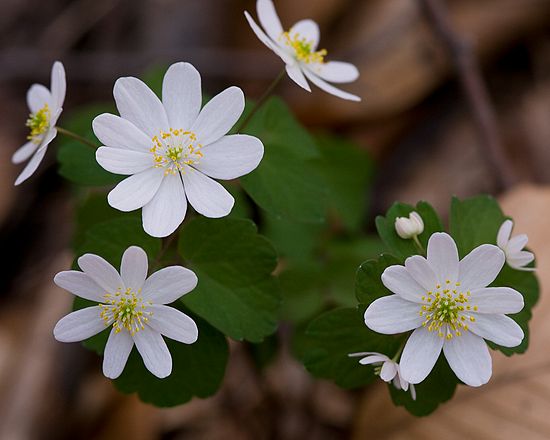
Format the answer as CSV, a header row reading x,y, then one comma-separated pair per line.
x,y
447,308
174,149
303,48
125,310
38,123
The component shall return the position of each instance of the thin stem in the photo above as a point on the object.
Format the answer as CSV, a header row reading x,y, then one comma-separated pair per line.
x,y
166,242
396,355
261,101
76,137
418,244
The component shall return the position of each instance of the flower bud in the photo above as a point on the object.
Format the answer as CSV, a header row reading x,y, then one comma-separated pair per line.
x,y
409,227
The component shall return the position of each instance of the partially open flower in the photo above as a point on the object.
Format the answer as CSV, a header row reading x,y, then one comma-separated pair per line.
x,y
516,257
409,227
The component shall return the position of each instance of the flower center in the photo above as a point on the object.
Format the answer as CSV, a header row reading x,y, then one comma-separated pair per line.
x,y
174,149
38,123
447,308
125,310
303,48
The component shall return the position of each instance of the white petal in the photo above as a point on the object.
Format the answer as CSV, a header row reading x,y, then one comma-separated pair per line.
x,y
101,271
420,355
136,191
205,195
392,314
166,210
373,359
154,352
517,243
419,268
295,73
500,329
497,300
123,161
173,324
113,131
504,233
287,58
398,280
413,392
168,284
308,30
269,19
24,152
469,358
520,259
58,84
133,268
37,158
37,96
443,257
231,157
181,95
388,371
137,103
480,267
80,284
118,348
330,88
335,71
219,115
79,325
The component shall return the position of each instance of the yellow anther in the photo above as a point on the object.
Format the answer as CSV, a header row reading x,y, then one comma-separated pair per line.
x,y
303,49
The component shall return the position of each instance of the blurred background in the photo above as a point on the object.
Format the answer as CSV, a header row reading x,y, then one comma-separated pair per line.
x,y
415,122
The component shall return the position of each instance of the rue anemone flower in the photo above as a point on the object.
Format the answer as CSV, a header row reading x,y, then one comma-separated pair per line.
x,y
512,247
409,227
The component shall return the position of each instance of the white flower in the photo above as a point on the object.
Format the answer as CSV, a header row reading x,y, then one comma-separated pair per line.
x,y
512,247
172,149
447,304
387,369
298,49
409,227
133,305
45,106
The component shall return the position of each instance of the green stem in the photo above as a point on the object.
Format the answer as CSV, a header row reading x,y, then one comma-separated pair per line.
x,y
76,137
418,244
166,242
261,101
396,356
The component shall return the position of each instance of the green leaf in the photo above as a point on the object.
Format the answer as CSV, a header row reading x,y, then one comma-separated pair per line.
x,y
76,160
397,246
368,284
236,293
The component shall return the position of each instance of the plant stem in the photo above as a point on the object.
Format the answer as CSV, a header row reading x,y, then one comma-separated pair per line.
x,y
76,137
166,242
261,101
418,244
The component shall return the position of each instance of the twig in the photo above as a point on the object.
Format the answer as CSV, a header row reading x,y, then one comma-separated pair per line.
x,y
475,90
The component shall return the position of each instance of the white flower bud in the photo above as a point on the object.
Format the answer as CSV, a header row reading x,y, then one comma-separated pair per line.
x,y
409,227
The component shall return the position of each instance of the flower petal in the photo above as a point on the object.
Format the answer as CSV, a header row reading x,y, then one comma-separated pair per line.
x,y
58,85
136,191
295,73
80,284
37,96
269,19
307,30
181,95
373,359
219,115
24,152
287,58
420,355
500,329
388,371
481,266
497,300
504,233
231,157
517,243
419,268
392,314
166,210
521,259
205,195
469,358
168,284
101,271
329,88
399,281
154,352
137,103
123,161
133,268
173,324
443,257
118,348
37,158
335,71
79,325
114,131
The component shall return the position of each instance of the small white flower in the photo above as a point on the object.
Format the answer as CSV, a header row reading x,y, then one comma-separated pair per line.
x,y
409,227
447,304
297,47
512,247
46,107
387,369
172,149
133,305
